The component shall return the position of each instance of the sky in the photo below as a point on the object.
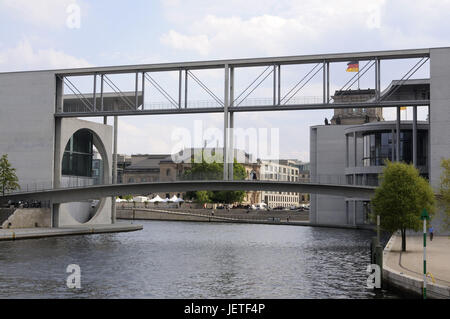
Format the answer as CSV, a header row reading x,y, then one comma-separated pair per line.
x,y
43,34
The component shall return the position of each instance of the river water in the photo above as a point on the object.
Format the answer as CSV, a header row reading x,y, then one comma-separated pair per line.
x,y
193,260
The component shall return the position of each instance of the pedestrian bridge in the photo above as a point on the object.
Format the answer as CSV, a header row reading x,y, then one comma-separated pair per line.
x,y
74,194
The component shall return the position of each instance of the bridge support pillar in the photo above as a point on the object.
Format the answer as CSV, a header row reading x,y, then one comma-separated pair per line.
x,y
414,138
225,124
397,133
231,149
114,171
231,128
54,207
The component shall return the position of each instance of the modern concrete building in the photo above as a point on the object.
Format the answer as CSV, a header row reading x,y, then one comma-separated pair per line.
x,y
49,152
41,132
355,155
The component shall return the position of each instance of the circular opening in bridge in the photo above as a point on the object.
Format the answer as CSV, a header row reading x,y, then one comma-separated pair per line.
x,y
84,164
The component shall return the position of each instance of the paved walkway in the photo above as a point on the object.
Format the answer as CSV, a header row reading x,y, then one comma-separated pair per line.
x,y
27,233
411,261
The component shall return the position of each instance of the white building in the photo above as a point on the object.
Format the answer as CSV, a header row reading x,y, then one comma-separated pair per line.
x,y
282,170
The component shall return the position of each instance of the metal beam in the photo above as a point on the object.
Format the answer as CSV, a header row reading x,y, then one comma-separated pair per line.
x,y
225,124
185,88
179,88
231,126
95,92
114,169
260,108
397,134
328,82
136,95
274,85
393,146
101,92
355,149
143,90
231,148
414,136
324,84
218,64
279,85
377,90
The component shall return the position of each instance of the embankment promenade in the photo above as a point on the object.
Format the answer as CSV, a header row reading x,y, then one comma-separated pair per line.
x,y
404,270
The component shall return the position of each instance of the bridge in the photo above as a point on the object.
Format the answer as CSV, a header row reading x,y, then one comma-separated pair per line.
x,y
73,194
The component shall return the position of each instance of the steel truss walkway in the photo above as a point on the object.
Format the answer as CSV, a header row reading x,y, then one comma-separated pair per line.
x,y
100,103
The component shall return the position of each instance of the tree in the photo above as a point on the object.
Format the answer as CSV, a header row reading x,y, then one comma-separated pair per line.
x,y
127,197
214,171
444,190
202,197
8,177
400,199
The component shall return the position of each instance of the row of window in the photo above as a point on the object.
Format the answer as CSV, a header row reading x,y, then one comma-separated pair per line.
x,y
278,177
270,168
142,179
288,199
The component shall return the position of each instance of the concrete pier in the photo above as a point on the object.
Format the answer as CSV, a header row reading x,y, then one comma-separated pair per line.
x,y
28,233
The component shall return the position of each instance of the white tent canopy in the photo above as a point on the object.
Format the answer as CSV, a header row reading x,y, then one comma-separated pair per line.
x,y
173,199
156,199
140,199
179,200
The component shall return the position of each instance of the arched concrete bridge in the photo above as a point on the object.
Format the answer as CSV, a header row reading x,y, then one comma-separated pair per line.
x,y
65,195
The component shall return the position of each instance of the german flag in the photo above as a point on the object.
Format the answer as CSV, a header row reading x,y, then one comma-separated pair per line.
x,y
353,66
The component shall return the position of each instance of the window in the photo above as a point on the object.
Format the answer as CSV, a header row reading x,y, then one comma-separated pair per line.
x,y
78,154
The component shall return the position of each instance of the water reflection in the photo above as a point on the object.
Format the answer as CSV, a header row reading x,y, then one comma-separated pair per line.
x,y
193,260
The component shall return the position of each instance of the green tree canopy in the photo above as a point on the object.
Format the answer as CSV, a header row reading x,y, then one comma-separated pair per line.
x,y
214,171
400,199
8,177
444,190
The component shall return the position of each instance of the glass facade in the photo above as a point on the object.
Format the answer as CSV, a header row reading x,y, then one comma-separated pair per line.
x,y
378,147
78,155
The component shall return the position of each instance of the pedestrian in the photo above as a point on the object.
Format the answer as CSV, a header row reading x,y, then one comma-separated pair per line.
x,y
431,230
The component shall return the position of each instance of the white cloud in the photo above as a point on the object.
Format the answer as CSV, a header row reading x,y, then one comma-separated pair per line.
x,y
198,43
39,12
24,57
284,27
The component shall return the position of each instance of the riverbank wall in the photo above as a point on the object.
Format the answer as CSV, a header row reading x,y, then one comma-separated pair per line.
x,y
290,218
33,233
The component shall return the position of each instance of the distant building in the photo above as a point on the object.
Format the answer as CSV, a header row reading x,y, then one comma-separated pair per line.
x,y
282,170
163,168
352,116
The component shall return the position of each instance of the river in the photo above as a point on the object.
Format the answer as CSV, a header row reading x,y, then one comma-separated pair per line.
x,y
193,260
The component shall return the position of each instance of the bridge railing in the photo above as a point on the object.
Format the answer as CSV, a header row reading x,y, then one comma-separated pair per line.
x,y
82,182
